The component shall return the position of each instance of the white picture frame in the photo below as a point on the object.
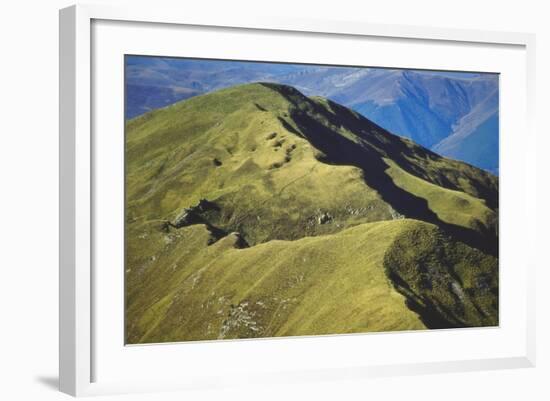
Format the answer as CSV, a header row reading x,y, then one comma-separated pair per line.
x,y
78,161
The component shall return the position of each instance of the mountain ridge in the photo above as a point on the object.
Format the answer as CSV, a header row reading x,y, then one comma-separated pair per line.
x,y
258,163
426,106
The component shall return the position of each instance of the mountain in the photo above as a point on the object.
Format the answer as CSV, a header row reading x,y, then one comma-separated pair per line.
x,y
154,82
256,211
454,114
455,117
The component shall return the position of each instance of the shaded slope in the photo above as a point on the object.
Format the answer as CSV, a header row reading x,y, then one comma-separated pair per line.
x,y
448,283
345,138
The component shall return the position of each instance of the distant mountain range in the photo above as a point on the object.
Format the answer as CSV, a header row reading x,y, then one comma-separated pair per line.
x,y
453,114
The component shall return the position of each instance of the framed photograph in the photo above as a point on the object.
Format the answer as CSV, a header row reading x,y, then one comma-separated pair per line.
x,y
271,200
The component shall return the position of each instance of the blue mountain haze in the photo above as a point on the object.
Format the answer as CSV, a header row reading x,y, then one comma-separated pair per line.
x,y
454,114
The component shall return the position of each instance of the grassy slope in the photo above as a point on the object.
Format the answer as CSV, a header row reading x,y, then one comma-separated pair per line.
x,y
328,284
451,206
269,186
315,285
448,283
255,151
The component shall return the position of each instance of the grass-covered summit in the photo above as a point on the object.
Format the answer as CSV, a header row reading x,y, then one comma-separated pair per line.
x,y
256,211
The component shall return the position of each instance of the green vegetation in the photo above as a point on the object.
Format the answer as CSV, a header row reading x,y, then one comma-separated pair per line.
x,y
255,211
448,283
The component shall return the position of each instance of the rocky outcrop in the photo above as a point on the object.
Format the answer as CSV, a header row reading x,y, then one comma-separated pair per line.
x,y
324,218
193,215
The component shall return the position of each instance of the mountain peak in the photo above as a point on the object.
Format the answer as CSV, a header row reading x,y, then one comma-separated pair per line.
x,y
269,127
256,202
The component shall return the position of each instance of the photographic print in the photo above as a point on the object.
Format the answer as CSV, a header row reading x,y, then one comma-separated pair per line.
x,y
271,199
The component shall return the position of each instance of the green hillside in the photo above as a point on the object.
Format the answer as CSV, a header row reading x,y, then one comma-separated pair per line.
x,y
256,211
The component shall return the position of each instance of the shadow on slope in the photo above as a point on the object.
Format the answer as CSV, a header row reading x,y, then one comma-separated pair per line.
x,y
435,275
340,150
